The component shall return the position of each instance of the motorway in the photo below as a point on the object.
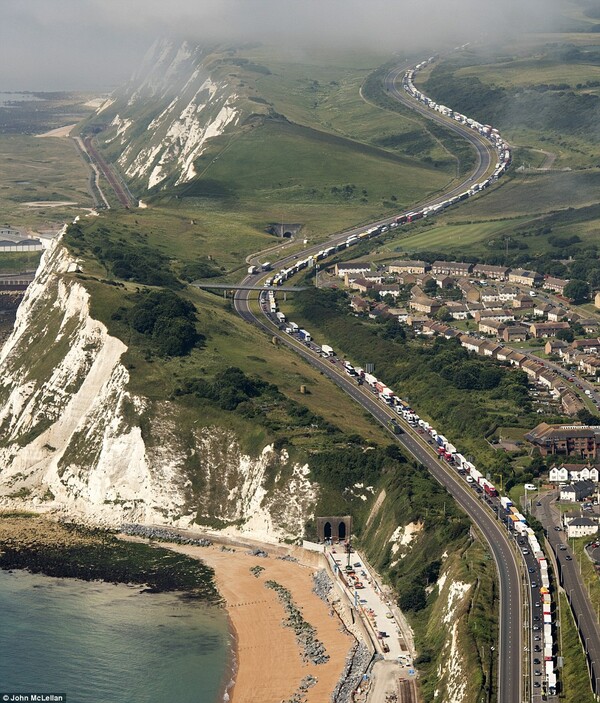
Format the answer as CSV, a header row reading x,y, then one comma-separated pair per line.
x,y
570,580
511,600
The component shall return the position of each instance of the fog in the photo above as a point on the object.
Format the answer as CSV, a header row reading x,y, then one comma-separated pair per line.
x,y
96,44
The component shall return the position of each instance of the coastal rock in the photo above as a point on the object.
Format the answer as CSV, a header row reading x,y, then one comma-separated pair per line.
x,y
77,442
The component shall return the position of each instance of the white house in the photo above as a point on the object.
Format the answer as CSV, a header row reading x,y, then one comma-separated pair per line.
x,y
577,491
581,527
562,474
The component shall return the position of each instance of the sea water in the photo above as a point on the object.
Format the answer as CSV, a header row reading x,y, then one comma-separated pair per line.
x,y
104,643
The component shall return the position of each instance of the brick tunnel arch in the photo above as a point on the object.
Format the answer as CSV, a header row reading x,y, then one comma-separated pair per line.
x,y
334,527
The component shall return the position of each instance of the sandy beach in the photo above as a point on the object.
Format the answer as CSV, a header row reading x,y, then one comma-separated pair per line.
x,y
269,660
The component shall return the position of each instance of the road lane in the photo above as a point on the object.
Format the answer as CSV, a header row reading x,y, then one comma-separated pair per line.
x,y
511,602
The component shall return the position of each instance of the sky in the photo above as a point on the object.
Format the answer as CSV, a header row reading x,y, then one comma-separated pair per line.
x,y
96,44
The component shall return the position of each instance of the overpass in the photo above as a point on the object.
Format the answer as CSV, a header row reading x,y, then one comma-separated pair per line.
x,y
234,287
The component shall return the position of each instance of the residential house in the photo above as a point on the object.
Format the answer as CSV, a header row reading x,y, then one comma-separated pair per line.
x,y
590,325
589,346
416,321
409,267
590,364
532,369
392,289
504,353
571,402
452,268
516,358
494,327
490,349
523,302
581,527
356,267
524,278
444,282
458,311
578,491
470,343
555,346
555,284
575,472
581,440
359,304
498,273
507,293
490,295
556,314
494,314
541,309
471,293
515,333
429,306
362,285
547,329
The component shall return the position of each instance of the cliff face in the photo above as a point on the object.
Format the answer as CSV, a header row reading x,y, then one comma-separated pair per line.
x,y
76,441
182,97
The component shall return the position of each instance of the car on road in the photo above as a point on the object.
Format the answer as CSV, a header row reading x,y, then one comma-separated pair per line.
x,y
537,672
536,627
558,528
536,661
537,605
568,557
562,547
531,570
536,684
538,503
534,584
537,638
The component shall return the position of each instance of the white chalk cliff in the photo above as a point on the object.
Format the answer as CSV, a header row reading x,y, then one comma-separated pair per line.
x,y
71,439
179,101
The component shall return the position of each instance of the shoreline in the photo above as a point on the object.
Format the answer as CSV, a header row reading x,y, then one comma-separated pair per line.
x,y
289,640
268,663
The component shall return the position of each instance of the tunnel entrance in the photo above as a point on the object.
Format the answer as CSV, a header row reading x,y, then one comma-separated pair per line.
x,y
336,528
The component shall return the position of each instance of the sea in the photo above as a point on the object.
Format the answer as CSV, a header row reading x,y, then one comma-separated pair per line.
x,y
105,643
8,99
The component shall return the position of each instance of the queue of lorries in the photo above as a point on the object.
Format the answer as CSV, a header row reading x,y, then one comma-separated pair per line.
x,y
446,451
486,131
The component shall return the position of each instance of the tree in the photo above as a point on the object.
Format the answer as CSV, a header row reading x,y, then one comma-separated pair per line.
x,y
566,335
577,291
587,417
443,314
430,287
413,598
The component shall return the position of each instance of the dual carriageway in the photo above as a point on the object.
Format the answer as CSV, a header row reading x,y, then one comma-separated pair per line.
x,y
514,598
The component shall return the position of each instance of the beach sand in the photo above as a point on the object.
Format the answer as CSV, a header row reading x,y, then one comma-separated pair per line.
x,y
269,661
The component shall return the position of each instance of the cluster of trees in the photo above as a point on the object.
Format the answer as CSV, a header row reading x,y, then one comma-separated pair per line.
x,y
343,467
166,320
233,390
229,388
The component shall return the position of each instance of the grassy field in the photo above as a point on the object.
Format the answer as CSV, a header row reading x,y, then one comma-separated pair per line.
x,y
231,342
41,170
574,675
